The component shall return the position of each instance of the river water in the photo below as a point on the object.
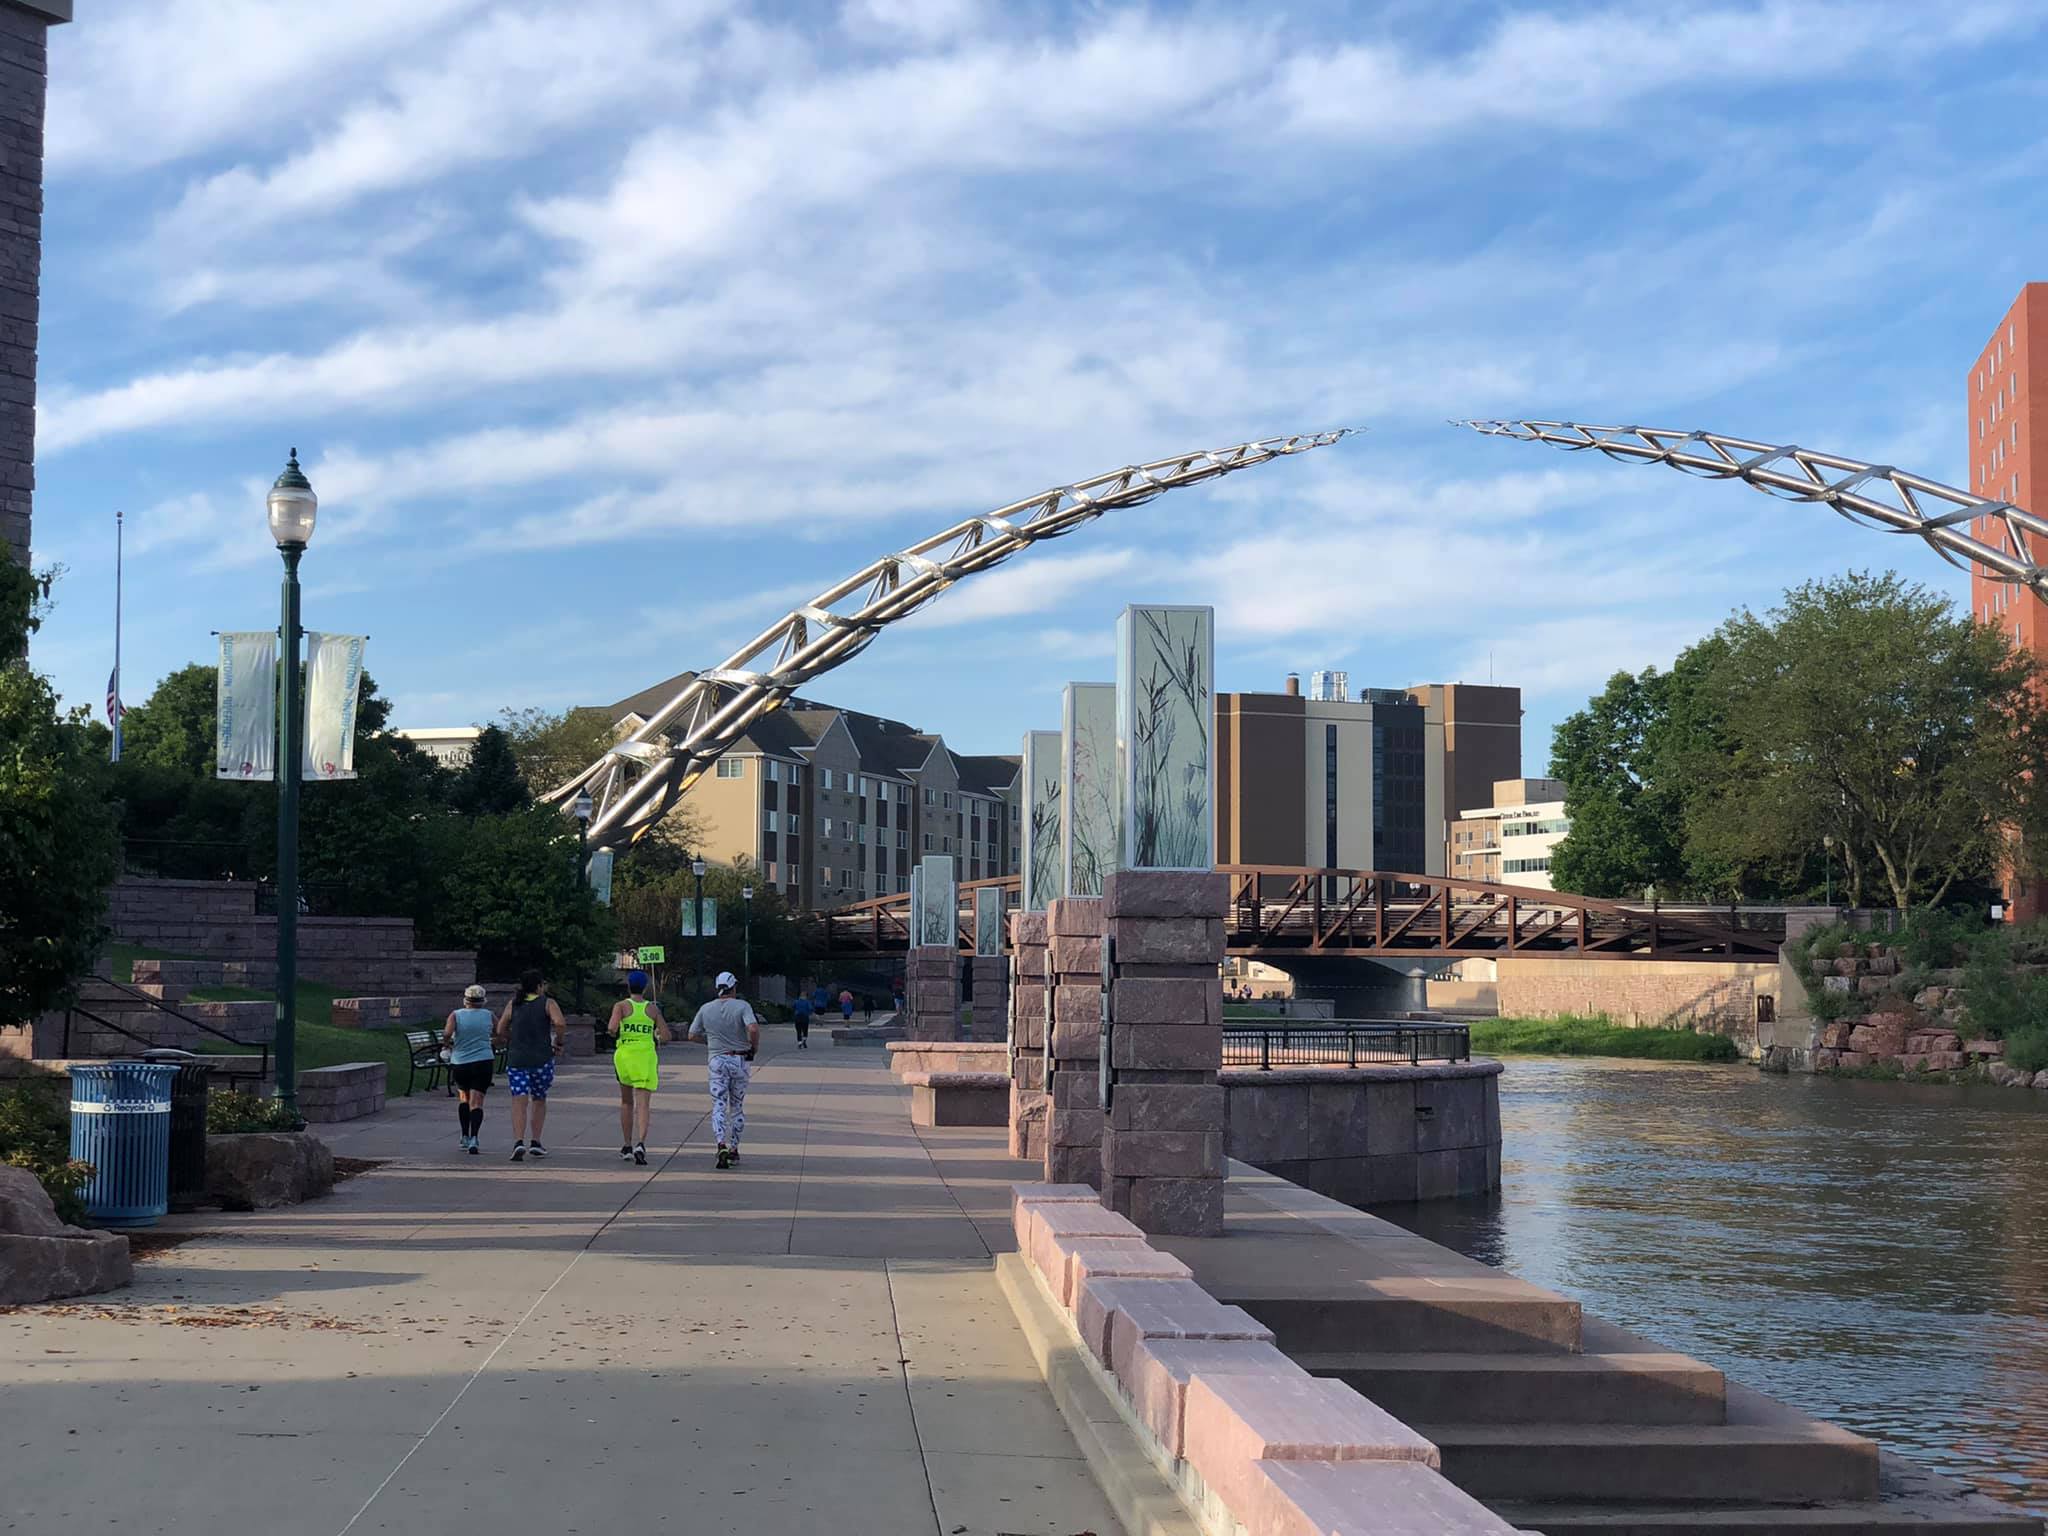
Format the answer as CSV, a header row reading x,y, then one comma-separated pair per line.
x,y
1875,1254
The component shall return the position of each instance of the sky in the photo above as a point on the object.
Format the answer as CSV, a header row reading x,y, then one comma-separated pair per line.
x,y
607,341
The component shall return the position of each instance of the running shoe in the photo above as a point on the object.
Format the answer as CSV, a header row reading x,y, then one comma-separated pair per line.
x,y
724,1156
536,1149
518,1151
474,1149
626,1153
640,1153
735,1154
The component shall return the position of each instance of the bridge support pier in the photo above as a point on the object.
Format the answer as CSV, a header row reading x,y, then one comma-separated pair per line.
x,y
931,980
1358,989
1073,1152
1163,1133
1028,1013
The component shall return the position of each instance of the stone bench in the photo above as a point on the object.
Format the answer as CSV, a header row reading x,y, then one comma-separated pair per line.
x,y
947,1056
347,1092
959,1098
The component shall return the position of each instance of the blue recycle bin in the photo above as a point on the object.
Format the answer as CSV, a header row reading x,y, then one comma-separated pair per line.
x,y
121,1124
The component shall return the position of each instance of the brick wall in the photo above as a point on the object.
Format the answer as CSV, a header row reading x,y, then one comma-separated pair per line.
x,y
23,78
1706,996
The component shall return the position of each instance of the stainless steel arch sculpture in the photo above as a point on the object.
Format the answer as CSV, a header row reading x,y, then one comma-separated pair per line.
x,y
638,781
1955,522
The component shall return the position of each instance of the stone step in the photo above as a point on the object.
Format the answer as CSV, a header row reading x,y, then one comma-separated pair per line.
x,y
1765,1453
1633,1387
1911,1501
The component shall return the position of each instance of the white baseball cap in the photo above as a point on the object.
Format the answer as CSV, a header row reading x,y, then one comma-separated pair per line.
x,y
727,982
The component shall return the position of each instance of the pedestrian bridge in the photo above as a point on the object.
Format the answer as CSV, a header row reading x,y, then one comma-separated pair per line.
x,y
1280,912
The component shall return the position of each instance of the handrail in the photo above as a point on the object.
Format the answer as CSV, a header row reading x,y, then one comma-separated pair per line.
x,y
260,1046
1343,1042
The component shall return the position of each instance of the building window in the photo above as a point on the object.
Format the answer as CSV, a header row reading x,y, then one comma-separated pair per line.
x,y
863,788
945,845
771,770
927,842
732,768
828,777
796,773
930,795
795,823
903,838
828,874
827,826
768,824
863,835
1525,866
1329,797
946,800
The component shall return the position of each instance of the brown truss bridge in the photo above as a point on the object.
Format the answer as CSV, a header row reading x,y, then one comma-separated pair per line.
x,y
1277,912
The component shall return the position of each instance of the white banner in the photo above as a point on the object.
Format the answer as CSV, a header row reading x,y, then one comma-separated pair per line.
x,y
334,679
245,704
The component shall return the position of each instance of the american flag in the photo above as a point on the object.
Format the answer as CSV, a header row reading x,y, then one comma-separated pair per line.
x,y
114,709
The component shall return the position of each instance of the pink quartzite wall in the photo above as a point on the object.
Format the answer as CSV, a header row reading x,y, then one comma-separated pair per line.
x,y
1028,1104
1073,1152
1163,1136
931,992
218,919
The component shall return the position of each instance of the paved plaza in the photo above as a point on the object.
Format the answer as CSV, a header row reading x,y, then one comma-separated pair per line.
x,y
812,1342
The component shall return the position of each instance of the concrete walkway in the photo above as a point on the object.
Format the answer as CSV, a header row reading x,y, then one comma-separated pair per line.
x,y
811,1342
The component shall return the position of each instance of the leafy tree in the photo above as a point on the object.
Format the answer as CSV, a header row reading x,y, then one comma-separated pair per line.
x,y
175,728
1866,708
651,913
552,748
489,783
59,848
513,896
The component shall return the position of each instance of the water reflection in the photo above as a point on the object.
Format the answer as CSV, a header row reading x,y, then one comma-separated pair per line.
x,y
1873,1253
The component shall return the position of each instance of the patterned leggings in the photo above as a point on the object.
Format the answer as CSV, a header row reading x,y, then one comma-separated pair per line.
x,y
729,1077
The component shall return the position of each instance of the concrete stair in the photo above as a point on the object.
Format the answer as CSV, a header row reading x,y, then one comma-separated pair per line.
x,y
1627,1387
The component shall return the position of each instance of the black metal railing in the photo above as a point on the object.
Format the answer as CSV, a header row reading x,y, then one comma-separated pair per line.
x,y
158,858
1343,1043
156,1004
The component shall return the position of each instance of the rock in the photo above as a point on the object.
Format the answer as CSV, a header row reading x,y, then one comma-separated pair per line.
x,y
1837,984
1931,998
2041,1078
42,1258
1883,963
1849,1061
1873,986
1826,1059
1922,1040
1946,1061
2009,1077
1985,1048
259,1170
1886,1038
1835,1036
1777,1059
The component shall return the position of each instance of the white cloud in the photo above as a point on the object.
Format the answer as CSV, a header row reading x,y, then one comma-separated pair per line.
x,y
1031,581
143,85
919,21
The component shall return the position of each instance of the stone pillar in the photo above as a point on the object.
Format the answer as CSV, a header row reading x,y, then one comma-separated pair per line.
x,y
1028,1014
991,980
24,71
1162,1144
1073,1152
931,992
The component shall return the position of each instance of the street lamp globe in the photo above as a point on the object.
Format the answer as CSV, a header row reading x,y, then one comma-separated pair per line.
x,y
292,507
697,868
584,806
746,893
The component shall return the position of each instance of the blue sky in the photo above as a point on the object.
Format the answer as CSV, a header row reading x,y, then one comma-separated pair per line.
x,y
606,343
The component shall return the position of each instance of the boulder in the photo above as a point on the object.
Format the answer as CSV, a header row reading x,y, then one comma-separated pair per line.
x,y
2009,1077
1932,1040
1878,1038
1930,998
1985,1048
1837,984
2041,1078
1873,986
1835,1036
1934,1061
1883,963
41,1257
1849,1061
262,1169
1826,1059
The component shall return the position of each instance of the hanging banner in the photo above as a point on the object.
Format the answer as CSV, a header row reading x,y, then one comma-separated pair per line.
x,y
245,705
601,875
334,681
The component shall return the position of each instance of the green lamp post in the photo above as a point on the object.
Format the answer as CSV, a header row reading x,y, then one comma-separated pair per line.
x,y
292,506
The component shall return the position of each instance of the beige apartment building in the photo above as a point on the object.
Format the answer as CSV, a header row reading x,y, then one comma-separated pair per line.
x,y
1510,841
834,806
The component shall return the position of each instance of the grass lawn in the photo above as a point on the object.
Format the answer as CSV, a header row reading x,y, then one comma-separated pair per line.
x,y
1597,1036
322,1045
124,956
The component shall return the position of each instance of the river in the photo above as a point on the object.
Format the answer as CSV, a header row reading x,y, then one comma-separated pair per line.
x,y
1874,1253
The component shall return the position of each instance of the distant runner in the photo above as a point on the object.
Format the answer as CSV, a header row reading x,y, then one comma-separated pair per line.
x,y
637,1025
526,1026
802,1014
728,1027
470,1064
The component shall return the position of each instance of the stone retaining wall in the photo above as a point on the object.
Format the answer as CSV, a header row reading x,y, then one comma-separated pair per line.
x,y
1370,1134
1707,996
346,1092
931,992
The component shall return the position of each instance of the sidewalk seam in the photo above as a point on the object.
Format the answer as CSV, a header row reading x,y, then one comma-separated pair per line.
x,y
909,1397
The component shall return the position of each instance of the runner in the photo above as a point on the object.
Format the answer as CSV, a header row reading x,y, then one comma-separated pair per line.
x,y
846,1006
526,1026
802,1014
637,1025
468,1039
727,1026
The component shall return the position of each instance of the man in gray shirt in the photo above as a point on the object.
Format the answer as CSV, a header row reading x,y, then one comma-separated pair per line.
x,y
730,1031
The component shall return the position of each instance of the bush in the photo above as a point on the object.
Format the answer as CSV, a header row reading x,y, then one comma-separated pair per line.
x,y
35,1133
1598,1036
230,1112
2027,1048
1936,940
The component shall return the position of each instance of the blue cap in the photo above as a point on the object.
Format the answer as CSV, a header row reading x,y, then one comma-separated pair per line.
x,y
637,980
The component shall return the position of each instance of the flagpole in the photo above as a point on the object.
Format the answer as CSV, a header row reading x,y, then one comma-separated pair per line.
x,y
117,636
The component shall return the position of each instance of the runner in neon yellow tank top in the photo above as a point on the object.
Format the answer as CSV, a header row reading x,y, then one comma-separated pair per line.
x,y
637,1025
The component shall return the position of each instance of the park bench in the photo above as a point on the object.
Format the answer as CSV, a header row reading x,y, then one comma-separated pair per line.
x,y
423,1053
959,1098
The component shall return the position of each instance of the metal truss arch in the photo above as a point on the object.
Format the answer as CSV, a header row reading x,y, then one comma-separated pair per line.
x,y
1956,523
639,780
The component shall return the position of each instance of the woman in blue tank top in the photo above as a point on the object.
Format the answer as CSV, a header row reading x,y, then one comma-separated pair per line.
x,y
467,1045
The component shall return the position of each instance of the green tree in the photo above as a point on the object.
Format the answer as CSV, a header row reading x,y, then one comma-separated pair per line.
x,y
650,912
489,783
513,896
1865,707
175,728
59,845
552,748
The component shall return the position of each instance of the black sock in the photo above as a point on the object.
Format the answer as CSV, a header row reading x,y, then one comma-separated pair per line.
x,y
476,1120
462,1114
